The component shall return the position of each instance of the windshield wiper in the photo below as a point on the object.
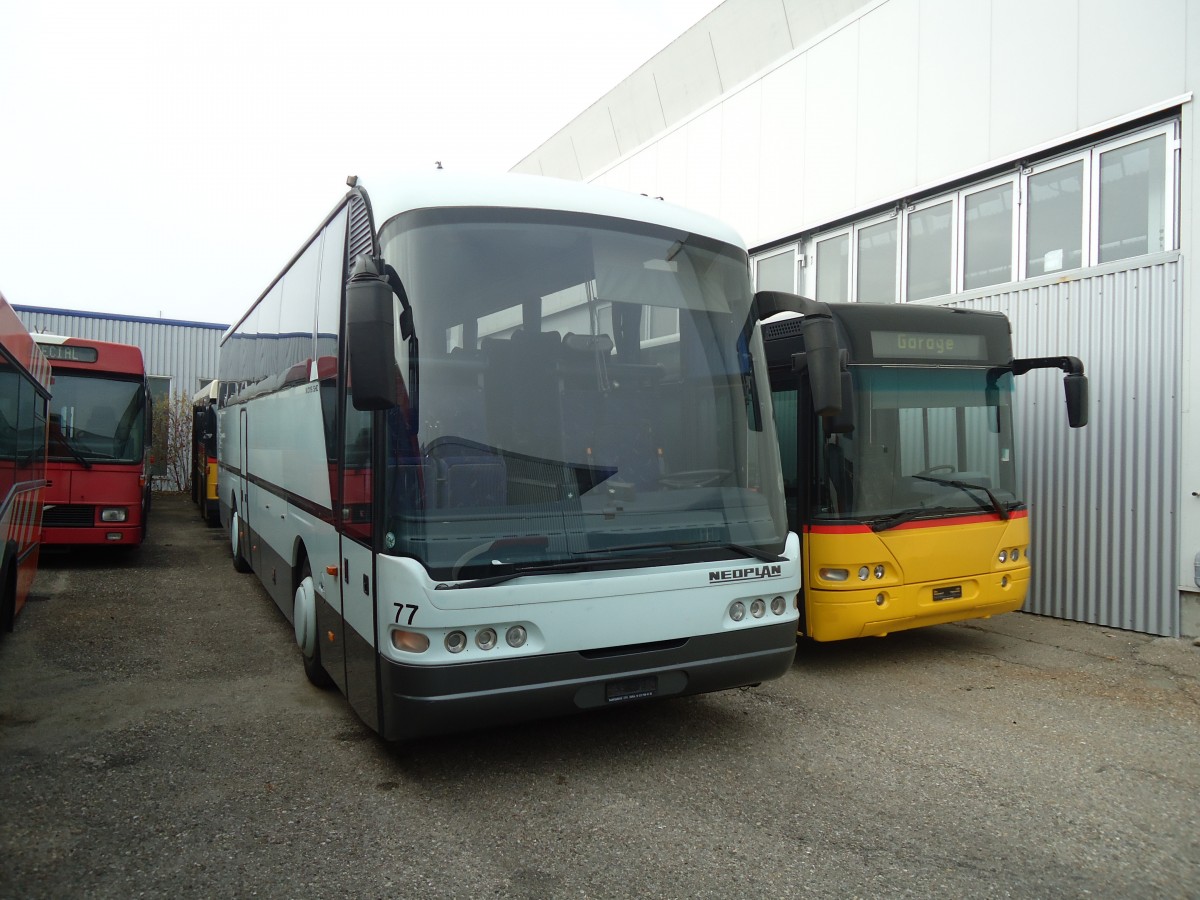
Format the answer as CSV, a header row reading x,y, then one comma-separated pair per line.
x,y
999,508
883,523
71,448
598,565
544,569
762,555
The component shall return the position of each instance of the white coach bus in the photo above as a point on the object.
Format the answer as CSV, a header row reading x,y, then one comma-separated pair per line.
x,y
502,448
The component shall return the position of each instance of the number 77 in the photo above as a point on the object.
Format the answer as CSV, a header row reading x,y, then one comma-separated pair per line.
x,y
401,607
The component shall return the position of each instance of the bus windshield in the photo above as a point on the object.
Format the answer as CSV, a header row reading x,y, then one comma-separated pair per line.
x,y
576,388
96,419
925,442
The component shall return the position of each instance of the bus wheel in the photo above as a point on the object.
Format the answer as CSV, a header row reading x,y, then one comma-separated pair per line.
x,y
304,617
235,543
8,595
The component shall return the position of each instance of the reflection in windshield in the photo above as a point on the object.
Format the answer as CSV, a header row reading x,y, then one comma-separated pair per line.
x,y
96,419
581,389
925,442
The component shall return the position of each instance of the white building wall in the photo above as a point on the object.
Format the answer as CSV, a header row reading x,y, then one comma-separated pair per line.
x,y
898,96
879,101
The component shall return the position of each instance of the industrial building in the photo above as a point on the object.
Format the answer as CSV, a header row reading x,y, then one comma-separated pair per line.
x,y
1030,156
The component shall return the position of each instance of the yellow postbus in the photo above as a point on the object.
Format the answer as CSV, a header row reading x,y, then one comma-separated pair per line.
x,y
908,501
204,453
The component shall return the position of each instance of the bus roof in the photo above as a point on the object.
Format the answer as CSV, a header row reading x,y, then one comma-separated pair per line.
x,y
397,194
208,392
83,354
393,195
903,334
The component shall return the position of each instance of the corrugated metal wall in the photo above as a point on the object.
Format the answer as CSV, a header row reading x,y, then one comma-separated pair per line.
x,y
1102,498
185,351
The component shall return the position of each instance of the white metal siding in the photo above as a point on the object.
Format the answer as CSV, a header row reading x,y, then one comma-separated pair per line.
x,y
187,352
1102,498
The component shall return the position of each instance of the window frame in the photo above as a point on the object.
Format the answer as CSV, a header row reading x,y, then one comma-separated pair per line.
x,y
897,218
1169,131
846,232
909,210
1014,224
775,253
1018,178
1085,203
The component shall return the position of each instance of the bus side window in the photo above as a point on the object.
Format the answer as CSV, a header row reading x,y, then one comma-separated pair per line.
x,y
357,509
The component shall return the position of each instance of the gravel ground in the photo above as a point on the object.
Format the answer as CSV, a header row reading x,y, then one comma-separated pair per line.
x,y
158,738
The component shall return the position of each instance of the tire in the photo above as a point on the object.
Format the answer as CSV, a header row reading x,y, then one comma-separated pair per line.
x,y
304,618
146,498
8,594
235,543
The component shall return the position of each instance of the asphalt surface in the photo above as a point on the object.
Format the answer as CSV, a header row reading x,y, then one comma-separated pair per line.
x,y
158,738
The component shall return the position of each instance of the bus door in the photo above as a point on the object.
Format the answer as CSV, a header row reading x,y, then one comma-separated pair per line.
x,y
356,644
243,485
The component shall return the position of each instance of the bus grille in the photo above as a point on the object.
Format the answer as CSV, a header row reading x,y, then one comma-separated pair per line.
x,y
783,328
66,515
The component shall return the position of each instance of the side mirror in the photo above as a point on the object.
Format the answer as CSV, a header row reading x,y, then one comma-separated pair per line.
x,y
821,350
842,422
824,365
370,338
1076,389
1075,383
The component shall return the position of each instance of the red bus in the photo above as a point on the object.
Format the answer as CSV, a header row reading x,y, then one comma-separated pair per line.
x,y
98,487
24,393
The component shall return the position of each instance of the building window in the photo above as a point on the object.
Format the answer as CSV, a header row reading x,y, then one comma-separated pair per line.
x,y
833,268
160,398
988,236
877,258
1133,192
1054,220
929,255
777,273
1099,204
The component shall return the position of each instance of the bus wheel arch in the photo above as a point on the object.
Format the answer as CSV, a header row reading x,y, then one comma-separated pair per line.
x,y
240,563
8,588
304,620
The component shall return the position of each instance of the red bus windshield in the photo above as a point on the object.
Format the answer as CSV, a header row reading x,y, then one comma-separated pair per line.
x,y
97,419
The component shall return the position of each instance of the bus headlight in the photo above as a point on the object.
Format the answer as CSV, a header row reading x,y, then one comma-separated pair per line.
x,y
1016,554
863,573
758,609
410,641
456,642
778,606
486,639
879,571
114,514
835,574
737,612
516,636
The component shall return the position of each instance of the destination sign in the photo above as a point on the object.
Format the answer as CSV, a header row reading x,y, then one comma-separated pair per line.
x,y
927,345
69,353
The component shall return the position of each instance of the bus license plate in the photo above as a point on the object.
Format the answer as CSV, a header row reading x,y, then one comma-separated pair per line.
x,y
631,689
948,593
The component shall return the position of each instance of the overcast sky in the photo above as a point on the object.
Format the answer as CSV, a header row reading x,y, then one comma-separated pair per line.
x,y
168,158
